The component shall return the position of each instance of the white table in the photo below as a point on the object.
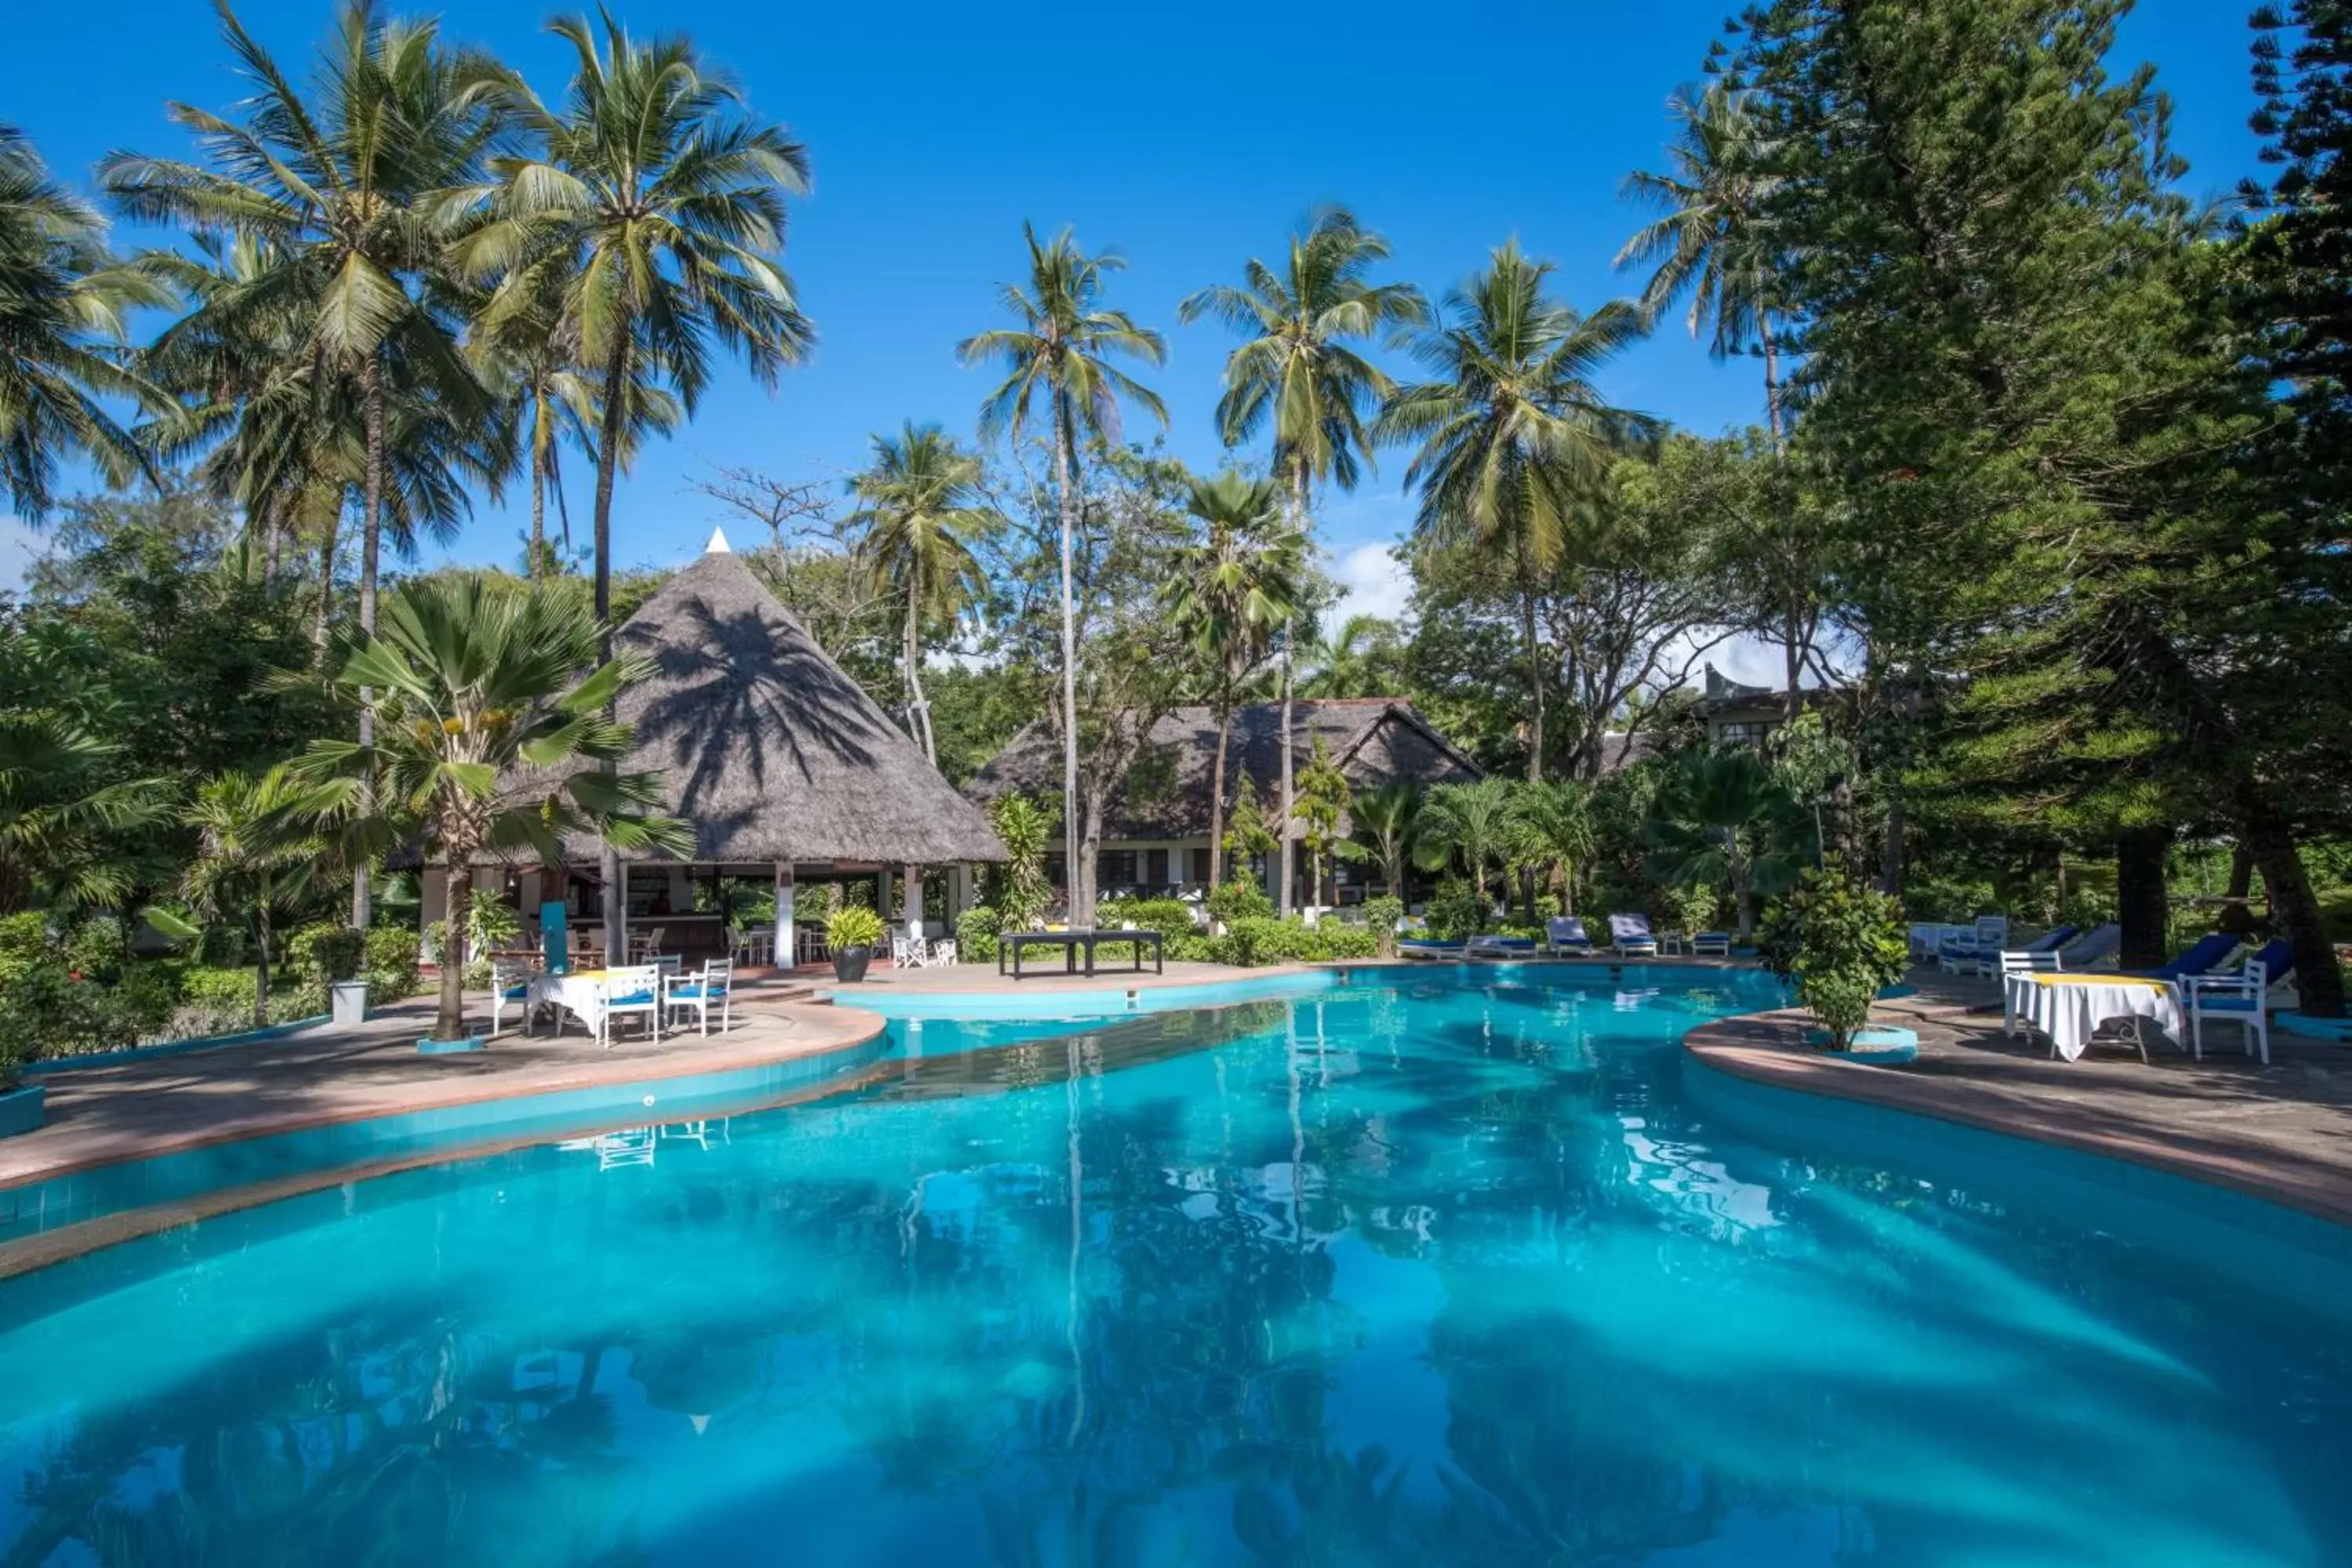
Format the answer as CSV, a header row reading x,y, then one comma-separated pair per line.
x,y
2070,1008
580,994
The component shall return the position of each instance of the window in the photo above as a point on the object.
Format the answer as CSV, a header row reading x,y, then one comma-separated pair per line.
x,y
1055,866
1115,868
1199,855
1745,733
1155,868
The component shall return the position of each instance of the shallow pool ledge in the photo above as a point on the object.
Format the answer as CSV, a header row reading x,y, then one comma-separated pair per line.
x,y
1768,1049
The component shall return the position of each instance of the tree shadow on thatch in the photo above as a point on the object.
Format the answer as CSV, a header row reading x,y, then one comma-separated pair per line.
x,y
741,717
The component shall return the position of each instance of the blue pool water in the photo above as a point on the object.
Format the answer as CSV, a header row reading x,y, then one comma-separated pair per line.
x,y
1447,1269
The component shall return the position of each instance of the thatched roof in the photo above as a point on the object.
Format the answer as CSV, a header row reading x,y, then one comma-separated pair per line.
x,y
767,747
1373,739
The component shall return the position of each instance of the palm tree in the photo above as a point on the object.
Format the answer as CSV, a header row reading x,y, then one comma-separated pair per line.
x,y
493,740
1388,817
1478,822
1359,659
652,205
1230,592
660,203
64,302
920,516
1711,824
1297,371
1554,819
255,859
1060,351
346,187
64,814
1713,240
1513,435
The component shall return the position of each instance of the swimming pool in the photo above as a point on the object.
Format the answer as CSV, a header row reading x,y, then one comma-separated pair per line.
x,y
1436,1266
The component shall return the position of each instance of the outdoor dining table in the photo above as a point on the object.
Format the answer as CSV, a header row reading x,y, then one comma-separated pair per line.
x,y
1072,942
2069,1008
580,992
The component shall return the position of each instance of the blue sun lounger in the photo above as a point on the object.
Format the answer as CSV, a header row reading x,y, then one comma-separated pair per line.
x,y
1566,934
1630,934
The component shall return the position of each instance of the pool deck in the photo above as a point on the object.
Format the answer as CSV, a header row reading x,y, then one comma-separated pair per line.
x,y
2281,1132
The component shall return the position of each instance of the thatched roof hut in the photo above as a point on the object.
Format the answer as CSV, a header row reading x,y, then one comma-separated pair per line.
x,y
767,747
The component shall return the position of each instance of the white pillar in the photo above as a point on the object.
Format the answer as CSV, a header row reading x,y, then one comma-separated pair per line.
x,y
910,901
787,942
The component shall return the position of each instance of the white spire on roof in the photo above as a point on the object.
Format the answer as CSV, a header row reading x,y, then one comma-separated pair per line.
x,y
717,545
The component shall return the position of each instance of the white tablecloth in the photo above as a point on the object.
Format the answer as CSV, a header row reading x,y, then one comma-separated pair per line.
x,y
2069,1008
580,994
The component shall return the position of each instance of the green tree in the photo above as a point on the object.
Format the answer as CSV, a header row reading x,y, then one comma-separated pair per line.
x,y
1230,592
64,302
1513,438
1387,817
256,861
1363,657
1323,798
493,742
1298,373
1554,819
345,187
920,516
1714,823
1060,352
1020,891
1476,822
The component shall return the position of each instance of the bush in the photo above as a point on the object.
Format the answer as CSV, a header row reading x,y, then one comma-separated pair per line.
x,y
95,950
220,947
976,934
1839,942
1169,917
1455,910
1691,908
853,926
328,951
145,997
1253,941
1381,917
1238,898
392,963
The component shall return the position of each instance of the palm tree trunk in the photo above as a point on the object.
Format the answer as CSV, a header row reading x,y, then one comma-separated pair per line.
x,y
917,709
449,1021
1077,881
327,582
261,963
608,456
538,564
1535,661
1299,498
371,548
1217,789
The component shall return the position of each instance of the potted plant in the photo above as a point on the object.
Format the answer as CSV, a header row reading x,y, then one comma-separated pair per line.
x,y
852,932
1839,943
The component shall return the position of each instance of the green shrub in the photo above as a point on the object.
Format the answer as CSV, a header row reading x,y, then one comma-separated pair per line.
x,y
1455,910
220,947
1839,942
853,926
146,996
1381,917
1239,899
1252,939
1335,941
392,963
1690,908
95,950
328,951
1169,917
976,934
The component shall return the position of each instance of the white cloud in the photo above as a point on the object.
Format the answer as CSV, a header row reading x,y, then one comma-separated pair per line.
x,y
1372,583
19,548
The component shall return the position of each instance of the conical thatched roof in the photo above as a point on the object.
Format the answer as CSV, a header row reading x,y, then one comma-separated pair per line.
x,y
766,748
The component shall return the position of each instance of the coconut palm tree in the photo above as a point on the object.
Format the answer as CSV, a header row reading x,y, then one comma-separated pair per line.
x,y
1297,373
1555,819
492,741
1512,435
1477,822
1714,822
1713,240
1060,354
256,859
1359,659
652,204
1388,818
1230,592
64,303
919,516
346,185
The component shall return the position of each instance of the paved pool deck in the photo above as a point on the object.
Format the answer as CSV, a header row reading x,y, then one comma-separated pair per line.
x,y
2281,1132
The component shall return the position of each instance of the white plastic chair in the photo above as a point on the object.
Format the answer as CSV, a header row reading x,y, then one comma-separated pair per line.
x,y
2020,960
2230,998
644,944
908,952
944,951
700,993
634,989
510,987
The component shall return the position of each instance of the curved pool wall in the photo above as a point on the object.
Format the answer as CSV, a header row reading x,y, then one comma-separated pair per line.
x,y
2268,1245
36,1207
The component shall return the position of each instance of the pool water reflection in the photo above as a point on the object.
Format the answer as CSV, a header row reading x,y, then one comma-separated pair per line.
x,y
1441,1270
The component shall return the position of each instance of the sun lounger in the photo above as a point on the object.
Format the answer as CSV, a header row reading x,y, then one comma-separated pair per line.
x,y
1966,955
2099,942
1711,945
2203,955
1565,934
1430,947
1630,934
1502,947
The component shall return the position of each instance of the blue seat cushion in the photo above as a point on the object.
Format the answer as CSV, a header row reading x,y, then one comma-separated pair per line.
x,y
514,993
634,999
2225,1003
695,991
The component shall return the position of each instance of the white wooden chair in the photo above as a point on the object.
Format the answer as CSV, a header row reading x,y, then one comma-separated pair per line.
x,y
2020,960
644,944
942,951
510,987
908,952
700,993
2233,998
636,990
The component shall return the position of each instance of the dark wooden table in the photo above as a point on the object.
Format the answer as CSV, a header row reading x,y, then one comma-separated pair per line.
x,y
1072,942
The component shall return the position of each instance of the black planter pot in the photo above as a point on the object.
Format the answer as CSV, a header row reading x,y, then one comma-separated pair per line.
x,y
849,964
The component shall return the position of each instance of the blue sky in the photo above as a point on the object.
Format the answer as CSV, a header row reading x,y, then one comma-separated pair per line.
x,y
929,152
